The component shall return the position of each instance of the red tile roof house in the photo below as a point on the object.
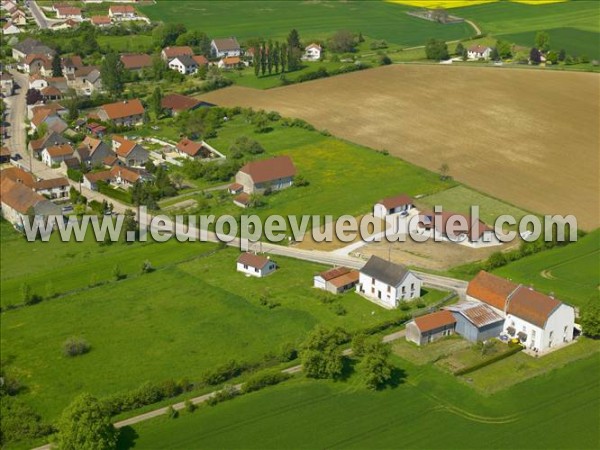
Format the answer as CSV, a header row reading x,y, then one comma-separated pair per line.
x,y
68,12
56,154
101,21
336,280
255,265
126,113
400,204
17,202
122,12
121,176
176,103
430,327
137,61
274,173
462,229
539,321
54,189
129,152
196,150
479,52
169,53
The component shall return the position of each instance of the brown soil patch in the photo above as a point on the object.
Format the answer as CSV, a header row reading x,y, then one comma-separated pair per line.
x,y
529,137
430,255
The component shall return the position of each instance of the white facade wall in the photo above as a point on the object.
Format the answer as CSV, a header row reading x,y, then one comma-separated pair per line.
x,y
390,296
266,270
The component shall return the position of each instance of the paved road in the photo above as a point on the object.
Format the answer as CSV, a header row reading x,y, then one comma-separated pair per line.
x,y
474,25
17,113
38,15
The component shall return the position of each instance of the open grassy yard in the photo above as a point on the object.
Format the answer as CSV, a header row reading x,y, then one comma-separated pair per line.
x,y
344,178
314,20
176,322
491,141
570,272
57,267
430,410
460,199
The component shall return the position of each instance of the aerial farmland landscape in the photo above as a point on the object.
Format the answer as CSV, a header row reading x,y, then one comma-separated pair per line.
x,y
272,224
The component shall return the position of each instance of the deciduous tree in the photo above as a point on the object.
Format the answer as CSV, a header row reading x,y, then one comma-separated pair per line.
x,y
85,424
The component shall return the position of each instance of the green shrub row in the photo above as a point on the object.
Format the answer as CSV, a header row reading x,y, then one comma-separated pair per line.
x,y
489,361
264,379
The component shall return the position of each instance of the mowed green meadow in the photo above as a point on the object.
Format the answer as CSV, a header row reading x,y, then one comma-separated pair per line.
x,y
428,410
314,20
572,25
344,178
570,272
175,322
61,267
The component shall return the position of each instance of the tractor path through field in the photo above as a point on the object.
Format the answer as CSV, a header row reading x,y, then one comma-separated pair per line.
x,y
474,25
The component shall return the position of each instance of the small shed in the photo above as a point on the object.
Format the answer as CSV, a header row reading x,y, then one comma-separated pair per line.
x,y
430,327
336,280
476,321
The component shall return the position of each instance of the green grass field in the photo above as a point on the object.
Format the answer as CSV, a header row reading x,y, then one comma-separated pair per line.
x,y
572,25
63,267
570,272
430,410
460,199
176,322
314,20
344,178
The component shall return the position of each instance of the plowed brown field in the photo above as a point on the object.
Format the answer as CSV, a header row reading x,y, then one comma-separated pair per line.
x,y
529,137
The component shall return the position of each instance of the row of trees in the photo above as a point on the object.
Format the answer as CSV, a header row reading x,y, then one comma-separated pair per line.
x,y
269,57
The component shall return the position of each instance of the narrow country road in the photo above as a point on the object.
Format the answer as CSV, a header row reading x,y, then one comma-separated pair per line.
x,y
203,398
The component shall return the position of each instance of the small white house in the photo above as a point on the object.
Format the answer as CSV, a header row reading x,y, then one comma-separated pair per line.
x,y
400,204
255,265
312,52
10,28
57,154
477,52
387,283
184,64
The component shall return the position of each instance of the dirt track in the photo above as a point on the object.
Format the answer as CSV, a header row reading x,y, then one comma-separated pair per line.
x,y
529,137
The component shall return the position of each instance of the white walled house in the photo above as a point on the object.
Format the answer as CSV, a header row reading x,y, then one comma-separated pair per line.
x,y
56,154
399,204
457,228
312,52
387,283
220,48
477,52
255,265
184,64
539,321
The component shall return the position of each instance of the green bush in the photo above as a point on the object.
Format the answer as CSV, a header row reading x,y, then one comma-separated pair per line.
x,y
264,379
75,346
227,393
224,373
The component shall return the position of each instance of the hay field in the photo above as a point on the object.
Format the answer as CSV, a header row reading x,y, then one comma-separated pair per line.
x,y
528,137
